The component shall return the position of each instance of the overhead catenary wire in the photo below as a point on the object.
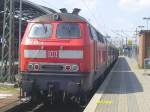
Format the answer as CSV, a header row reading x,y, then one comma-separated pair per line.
x,y
93,15
44,1
102,24
96,20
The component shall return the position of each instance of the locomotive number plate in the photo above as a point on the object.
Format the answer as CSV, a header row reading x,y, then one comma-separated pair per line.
x,y
52,54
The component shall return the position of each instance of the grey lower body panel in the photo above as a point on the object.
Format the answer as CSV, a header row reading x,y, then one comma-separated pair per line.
x,y
69,82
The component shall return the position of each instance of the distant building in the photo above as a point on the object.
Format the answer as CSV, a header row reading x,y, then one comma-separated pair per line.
x,y
144,47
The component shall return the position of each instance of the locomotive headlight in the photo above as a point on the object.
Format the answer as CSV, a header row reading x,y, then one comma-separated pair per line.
x,y
75,68
36,67
71,68
30,67
68,68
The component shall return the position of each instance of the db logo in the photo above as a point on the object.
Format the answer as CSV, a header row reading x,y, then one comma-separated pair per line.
x,y
52,54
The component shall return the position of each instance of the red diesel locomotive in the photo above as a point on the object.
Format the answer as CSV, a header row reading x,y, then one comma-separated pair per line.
x,y
63,53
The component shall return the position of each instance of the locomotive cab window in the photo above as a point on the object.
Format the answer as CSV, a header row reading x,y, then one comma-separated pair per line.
x,y
68,30
40,31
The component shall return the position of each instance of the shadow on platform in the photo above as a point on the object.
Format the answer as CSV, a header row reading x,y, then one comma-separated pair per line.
x,y
123,80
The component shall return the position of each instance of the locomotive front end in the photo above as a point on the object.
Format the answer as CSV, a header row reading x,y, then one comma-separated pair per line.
x,y
54,58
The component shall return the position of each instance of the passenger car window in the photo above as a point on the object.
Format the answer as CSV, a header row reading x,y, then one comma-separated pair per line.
x,y
40,31
68,30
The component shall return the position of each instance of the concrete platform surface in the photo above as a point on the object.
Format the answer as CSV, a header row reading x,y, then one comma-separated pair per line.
x,y
126,89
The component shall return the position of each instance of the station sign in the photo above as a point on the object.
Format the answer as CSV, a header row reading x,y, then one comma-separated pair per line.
x,y
129,42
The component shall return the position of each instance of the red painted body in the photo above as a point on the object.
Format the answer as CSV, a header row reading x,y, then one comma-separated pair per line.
x,y
54,44
84,43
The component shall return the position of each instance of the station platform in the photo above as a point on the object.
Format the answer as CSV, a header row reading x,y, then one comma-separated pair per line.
x,y
126,89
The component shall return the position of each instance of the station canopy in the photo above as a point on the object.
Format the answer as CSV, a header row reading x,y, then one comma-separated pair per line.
x,y
30,11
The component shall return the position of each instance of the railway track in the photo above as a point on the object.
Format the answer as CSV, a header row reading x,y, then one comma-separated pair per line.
x,y
30,107
41,107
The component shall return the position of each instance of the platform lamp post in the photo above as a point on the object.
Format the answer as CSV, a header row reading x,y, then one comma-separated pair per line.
x,y
20,32
141,27
137,31
147,20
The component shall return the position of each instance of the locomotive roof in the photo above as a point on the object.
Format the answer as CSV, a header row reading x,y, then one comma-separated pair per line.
x,y
69,17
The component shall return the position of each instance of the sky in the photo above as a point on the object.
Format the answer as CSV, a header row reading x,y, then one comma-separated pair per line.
x,y
110,17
